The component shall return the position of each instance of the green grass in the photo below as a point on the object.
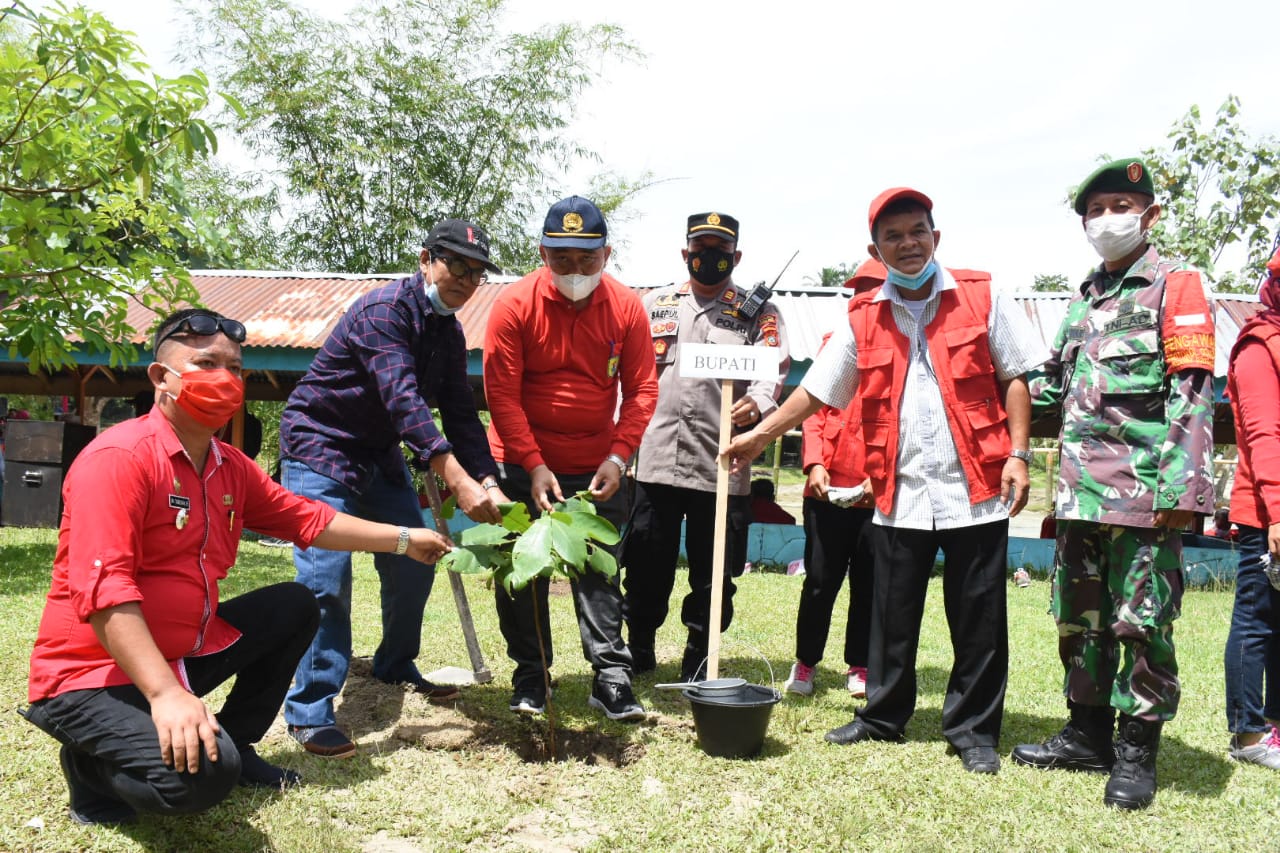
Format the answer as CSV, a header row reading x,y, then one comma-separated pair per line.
x,y
457,778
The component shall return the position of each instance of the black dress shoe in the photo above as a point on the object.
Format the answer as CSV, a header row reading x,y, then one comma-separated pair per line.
x,y
980,759
855,731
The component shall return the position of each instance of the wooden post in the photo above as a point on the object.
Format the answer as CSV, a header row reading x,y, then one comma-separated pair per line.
x,y
718,567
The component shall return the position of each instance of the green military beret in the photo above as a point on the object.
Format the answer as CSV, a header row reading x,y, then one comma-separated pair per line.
x,y
1129,175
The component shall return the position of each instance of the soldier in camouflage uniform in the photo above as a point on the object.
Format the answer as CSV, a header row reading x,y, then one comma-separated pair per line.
x,y
1132,372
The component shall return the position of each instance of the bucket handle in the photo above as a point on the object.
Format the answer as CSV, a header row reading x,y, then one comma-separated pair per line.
x,y
773,680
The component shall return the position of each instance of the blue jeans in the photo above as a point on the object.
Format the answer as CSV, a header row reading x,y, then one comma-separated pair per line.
x,y
1253,644
406,584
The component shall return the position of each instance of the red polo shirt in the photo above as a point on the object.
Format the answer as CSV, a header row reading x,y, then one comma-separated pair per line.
x,y
553,374
120,542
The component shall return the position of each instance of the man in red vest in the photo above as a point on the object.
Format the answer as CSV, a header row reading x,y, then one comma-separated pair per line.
x,y
939,363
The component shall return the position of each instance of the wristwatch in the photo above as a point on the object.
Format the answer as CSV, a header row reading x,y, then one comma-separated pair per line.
x,y
489,484
619,461
1024,455
402,542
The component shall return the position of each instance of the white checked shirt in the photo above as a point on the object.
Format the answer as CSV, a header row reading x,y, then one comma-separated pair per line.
x,y
931,489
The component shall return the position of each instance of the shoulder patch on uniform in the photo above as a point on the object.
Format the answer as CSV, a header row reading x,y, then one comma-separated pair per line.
x,y
1188,328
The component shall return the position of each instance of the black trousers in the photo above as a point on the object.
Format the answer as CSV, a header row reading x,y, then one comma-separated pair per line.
x,y
837,542
652,549
973,588
596,599
113,741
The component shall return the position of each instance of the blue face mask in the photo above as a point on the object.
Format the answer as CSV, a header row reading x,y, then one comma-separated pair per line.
x,y
437,304
912,282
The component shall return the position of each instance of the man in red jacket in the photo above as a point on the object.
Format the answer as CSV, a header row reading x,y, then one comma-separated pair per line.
x,y
561,346
939,361
133,633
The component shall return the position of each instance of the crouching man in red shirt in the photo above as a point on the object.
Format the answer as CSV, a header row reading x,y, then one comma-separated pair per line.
x,y
133,632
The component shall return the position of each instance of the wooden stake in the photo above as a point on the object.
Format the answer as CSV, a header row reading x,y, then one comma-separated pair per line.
x,y
718,567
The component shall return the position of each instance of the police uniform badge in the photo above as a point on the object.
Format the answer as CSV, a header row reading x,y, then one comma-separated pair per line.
x,y
660,347
713,219
572,222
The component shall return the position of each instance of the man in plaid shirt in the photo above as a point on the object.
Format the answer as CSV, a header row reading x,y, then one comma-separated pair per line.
x,y
396,350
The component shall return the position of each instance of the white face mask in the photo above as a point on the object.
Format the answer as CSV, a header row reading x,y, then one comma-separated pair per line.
x,y
575,287
1115,235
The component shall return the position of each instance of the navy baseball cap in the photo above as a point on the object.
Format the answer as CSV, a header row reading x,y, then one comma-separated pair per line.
x,y
574,223
462,238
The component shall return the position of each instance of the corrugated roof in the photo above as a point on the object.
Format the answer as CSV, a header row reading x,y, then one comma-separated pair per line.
x,y
298,310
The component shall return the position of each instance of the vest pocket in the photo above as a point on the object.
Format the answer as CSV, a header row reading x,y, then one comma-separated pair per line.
x,y
988,422
970,352
876,435
875,371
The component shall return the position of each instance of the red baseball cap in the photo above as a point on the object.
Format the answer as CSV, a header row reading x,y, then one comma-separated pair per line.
x,y
891,195
868,274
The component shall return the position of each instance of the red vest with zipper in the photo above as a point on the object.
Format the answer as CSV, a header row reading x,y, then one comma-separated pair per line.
x,y
960,355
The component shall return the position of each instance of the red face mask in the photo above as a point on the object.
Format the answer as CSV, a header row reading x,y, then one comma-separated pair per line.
x,y
211,397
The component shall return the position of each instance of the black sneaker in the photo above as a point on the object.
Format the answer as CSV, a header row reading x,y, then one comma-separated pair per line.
x,y
616,700
528,700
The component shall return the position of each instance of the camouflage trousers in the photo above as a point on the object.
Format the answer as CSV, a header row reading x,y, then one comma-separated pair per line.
x,y
1116,592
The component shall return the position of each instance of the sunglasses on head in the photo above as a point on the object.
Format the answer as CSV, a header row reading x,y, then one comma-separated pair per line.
x,y
203,325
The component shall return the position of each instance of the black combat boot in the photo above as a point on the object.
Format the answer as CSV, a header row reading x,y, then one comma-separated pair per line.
x,y
1083,744
1133,777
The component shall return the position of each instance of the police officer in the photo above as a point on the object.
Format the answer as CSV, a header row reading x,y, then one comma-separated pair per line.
x,y
1132,373
676,466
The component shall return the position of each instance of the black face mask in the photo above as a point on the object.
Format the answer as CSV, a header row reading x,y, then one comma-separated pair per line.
x,y
710,266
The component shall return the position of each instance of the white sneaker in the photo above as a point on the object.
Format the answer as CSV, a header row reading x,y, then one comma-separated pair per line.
x,y
1022,578
1265,752
801,679
857,681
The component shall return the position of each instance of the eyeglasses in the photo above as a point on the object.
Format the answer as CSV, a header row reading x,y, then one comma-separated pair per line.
x,y
205,324
458,269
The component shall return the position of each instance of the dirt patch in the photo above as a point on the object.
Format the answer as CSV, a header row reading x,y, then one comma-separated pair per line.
x,y
547,831
589,747
370,707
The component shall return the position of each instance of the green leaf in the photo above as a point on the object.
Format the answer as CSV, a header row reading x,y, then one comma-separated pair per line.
x,y
483,534
515,517
533,554
602,561
581,502
567,542
462,561
590,526
449,507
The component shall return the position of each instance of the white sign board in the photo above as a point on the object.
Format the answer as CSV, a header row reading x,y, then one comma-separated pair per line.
x,y
716,361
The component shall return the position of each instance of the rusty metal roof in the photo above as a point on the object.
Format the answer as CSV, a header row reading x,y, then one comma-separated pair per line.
x,y
298,310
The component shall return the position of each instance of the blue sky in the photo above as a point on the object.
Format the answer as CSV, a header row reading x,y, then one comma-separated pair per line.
x,y
791,117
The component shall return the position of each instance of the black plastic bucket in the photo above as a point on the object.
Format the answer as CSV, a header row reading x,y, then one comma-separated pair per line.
x,y
732,725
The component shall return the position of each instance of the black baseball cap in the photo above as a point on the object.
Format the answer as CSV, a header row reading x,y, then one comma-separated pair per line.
x,y
463,238
713,225
574,223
